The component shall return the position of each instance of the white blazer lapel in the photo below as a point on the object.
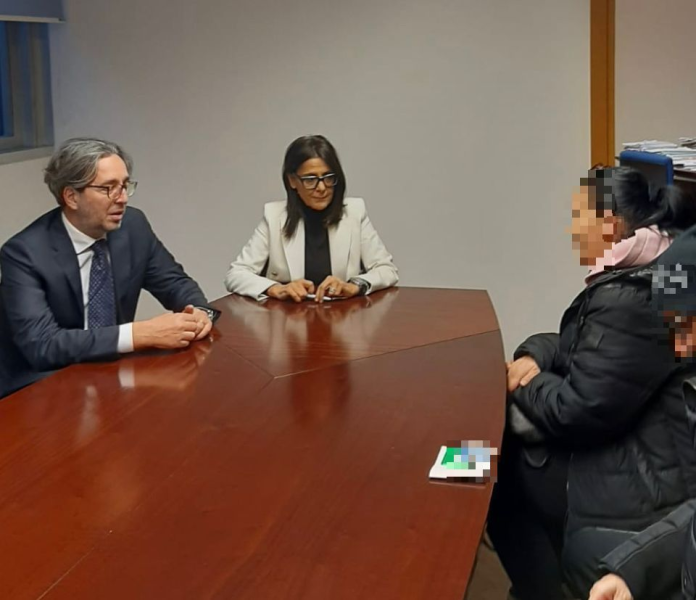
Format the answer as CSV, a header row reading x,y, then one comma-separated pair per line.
x,y
339,244
294,250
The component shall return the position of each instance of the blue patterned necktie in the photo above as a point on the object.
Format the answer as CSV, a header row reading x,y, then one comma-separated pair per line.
x,y
102,302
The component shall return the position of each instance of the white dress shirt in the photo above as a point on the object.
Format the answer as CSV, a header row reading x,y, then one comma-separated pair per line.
x,y
83,250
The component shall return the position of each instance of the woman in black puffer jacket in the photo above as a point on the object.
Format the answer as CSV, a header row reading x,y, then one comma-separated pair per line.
x,y
596,414
659,560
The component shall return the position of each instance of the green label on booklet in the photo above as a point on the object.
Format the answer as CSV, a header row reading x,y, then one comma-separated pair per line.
x,y
457,458
470,460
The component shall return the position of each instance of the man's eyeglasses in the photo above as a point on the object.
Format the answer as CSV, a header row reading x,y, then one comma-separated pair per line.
x,y
114,192
310,182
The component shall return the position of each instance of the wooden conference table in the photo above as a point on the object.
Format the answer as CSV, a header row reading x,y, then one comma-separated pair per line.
x,y
287,458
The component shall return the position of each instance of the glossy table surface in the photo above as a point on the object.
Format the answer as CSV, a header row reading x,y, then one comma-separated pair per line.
x,y
285,458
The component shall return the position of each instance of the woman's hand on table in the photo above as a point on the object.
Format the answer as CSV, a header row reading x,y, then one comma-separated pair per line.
x,y
333,287
295,290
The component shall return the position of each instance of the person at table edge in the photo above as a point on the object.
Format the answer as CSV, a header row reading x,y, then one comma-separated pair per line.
x,y
71,279
315,242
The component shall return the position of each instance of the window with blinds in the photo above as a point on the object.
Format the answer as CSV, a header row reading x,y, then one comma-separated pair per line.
x,y
26,118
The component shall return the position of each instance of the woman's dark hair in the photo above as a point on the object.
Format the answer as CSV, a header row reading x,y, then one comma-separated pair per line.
x,y
627,194
301,150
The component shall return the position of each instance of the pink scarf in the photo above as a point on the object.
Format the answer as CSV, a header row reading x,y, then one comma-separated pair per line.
x,y
644,246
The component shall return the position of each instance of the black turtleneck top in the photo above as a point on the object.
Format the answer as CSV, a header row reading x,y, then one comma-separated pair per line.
x,y
317,253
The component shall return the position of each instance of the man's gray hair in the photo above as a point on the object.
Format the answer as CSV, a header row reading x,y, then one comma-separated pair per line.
x,y
74,164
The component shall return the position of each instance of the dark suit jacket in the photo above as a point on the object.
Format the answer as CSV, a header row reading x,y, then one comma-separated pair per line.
x,y
41,307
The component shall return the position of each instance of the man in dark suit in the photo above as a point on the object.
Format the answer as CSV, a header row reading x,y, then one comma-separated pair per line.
x,y
71,280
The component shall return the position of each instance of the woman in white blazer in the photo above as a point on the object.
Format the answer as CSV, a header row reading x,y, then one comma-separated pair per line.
x,y
315,242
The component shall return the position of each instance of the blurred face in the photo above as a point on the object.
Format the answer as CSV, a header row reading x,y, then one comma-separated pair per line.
x,y
315,192
683,331
592,234
99,208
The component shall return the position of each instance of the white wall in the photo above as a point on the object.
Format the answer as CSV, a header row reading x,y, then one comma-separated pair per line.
x,y
463,123
23,195
655,77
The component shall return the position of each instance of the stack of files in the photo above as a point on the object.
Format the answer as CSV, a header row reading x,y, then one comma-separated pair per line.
x,y
650,146
683,157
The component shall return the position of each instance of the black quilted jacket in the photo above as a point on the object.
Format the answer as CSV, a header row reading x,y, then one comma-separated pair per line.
x,y
611,391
